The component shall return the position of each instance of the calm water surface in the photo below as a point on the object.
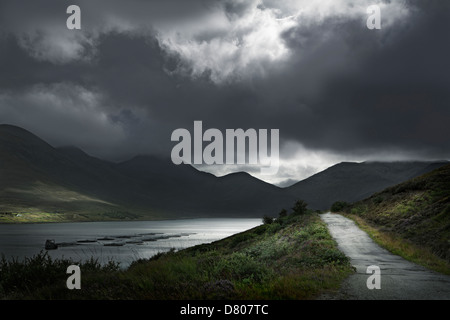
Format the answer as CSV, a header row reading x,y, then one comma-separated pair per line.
x,y
123,242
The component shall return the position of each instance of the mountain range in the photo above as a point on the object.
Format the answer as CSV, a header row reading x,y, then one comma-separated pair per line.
x,y
36,177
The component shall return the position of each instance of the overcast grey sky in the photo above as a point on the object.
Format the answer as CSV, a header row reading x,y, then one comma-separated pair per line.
x,y
137,70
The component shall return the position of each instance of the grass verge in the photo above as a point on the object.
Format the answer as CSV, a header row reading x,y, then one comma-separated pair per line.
x,y
411,219
398,245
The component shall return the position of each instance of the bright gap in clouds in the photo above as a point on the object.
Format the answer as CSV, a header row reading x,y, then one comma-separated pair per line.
x,y
298,162
227,46
232,45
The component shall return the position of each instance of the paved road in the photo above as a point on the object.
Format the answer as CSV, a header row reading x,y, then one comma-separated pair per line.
x,y
399,278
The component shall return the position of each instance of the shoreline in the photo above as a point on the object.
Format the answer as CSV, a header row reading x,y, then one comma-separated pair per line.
x,y
126,220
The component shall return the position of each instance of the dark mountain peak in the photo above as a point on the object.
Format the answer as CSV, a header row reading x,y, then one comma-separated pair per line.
x,y
341,166
236,177
4,127
245,179
17,143
347,163
237,174
7,131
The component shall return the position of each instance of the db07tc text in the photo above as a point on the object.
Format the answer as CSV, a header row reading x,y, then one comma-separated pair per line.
x,y
246,309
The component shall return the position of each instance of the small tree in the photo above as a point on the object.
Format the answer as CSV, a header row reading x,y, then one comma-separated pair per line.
x,y
267,220
339,206
300,207
283,213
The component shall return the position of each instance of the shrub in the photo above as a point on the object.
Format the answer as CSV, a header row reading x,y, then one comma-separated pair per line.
x,y
300,207
273,228
339,206
267,220
377,200
241,237
283,213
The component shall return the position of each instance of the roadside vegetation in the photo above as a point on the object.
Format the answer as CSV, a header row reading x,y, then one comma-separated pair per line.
x,y
289,257
411,219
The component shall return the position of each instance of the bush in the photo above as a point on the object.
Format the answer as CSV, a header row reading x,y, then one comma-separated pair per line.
x,y
339,206
267,220
283,213
241,237
273,228
377,200
300,207
358,210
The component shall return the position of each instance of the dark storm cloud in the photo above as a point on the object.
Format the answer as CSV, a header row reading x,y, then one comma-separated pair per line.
x,y
394,91
138,70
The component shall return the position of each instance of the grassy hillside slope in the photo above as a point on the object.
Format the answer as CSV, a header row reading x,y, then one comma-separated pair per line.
x,y
415,213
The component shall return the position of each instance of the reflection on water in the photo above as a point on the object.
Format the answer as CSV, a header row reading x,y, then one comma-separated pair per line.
x,y
123,242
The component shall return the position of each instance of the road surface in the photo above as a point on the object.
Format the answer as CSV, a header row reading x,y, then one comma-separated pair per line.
x,y
399,278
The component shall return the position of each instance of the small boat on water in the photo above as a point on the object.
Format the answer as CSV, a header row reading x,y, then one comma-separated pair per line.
x,y
50,245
